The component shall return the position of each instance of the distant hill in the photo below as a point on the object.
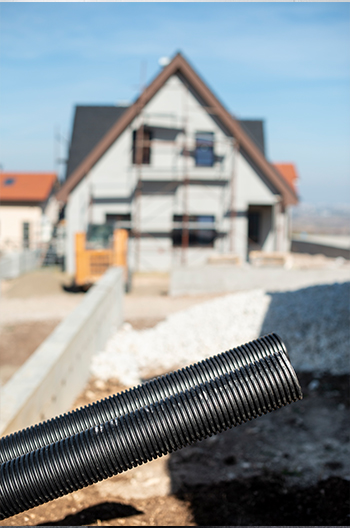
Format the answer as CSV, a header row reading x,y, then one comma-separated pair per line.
x,y
321,219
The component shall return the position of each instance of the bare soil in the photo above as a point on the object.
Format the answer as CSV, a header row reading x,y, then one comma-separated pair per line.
x,y
287,468
85,508
31,306
37,283
18,342
290,467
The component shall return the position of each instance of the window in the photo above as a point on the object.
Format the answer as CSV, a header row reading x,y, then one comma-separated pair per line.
x,y
9,181
119,220
144,146
254,227
201,230
25,235
99,236
204,154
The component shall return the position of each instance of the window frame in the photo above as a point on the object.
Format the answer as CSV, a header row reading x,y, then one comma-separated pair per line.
x,y
198,237
26,235
203,143
146,149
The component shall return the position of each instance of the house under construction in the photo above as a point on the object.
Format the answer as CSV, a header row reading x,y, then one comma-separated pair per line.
x,y
179,172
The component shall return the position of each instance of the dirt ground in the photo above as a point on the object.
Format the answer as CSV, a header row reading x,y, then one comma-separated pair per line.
x,y
18,342
287,468
31,306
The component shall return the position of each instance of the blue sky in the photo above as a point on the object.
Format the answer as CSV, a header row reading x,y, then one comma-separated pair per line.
x,y
288,63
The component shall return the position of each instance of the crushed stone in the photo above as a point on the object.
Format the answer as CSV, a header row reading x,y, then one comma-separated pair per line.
x,y
313,322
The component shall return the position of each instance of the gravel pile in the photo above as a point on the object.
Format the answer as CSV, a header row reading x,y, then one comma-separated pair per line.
x,y
313,322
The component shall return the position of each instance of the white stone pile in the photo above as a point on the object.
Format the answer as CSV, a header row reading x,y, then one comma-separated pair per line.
x,y
313,322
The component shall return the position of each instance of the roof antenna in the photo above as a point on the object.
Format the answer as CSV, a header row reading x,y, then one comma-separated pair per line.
x,y
164,61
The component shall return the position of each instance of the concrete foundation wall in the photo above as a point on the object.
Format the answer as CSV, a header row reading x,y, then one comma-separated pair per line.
x,y
51,379
225,279
311,248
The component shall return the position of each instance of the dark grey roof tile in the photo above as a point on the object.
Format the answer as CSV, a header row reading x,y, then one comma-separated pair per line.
x,y
90,124
255,130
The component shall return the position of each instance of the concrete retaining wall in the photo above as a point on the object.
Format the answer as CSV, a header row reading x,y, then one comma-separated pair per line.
x,y
312,248
226,279
51,379
14,264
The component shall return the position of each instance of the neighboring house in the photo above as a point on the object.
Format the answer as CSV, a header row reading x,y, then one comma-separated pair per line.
x,y
289,172
28,210
179,171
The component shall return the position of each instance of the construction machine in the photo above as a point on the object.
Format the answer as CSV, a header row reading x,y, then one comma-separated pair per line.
x,y
97,250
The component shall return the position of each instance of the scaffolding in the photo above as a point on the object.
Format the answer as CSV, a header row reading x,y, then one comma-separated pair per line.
x,y
138,190
232,208
145,120
185,229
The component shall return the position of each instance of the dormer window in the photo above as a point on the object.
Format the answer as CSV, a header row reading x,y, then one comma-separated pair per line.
x,y
141,146
8,182
204,154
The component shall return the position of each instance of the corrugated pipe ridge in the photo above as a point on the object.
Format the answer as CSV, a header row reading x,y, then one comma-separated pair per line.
x,y
50,431
147,433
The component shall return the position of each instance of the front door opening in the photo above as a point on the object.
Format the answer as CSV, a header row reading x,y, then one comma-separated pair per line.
x,y
254,227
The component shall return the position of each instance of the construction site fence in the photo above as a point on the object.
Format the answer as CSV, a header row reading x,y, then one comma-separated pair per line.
x,y
12,265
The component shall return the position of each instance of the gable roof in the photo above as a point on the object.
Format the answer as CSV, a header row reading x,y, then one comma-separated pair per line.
x,y
26,187
91,123
180,65
254,129
289,172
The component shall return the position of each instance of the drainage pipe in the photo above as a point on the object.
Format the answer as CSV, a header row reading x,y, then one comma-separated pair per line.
x,y
55,429
147,433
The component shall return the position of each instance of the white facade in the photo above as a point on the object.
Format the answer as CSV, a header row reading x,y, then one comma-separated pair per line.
x,y
12,220
175,115
25,226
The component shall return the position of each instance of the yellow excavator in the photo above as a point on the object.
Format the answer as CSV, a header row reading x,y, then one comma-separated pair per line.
x,y
97,250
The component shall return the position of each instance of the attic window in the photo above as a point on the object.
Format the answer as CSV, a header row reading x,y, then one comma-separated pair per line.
x,y
141,146
204,149
9,181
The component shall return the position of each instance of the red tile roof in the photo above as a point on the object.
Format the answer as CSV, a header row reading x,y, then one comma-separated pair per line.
x,y
26,187
289,173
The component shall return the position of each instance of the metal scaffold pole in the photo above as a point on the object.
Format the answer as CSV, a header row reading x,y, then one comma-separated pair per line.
x,y
139,146
232,208
185,218
138,192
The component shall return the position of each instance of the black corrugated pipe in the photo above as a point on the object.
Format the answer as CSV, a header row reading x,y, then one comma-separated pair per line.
x,y
50,431
147,433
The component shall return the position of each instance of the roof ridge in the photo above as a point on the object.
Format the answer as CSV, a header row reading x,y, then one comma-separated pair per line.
x,y
179,63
